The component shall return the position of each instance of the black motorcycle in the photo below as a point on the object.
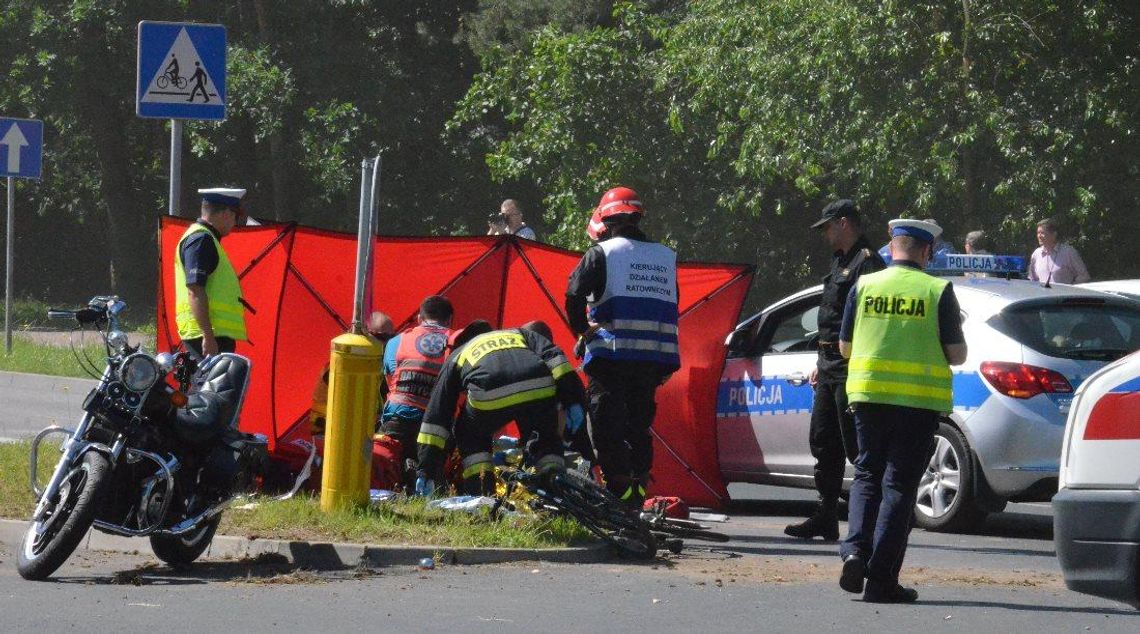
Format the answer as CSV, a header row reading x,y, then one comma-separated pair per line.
x,y
156,452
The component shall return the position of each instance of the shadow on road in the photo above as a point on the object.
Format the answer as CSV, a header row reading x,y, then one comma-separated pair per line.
x,y
1021,607
266,569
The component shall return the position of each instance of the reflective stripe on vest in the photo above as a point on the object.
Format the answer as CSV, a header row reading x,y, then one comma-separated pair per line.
x,y
477,464
434,435
227,315
419,359
512,394
896,352
637,313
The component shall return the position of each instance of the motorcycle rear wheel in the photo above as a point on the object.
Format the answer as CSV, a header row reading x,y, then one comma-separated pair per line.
x,y
49,542
182,550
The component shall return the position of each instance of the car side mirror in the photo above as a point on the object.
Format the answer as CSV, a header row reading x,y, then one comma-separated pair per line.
x,y
737,341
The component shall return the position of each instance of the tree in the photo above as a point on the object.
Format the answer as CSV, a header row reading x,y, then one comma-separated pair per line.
x,y
743,118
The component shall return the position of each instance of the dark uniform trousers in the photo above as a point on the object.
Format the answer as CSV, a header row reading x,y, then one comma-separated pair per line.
x,y
475,430
622,407
194,346
895,445
831,435
404,430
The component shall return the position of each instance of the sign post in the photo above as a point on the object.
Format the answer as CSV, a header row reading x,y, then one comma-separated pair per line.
x,y
181,75
21,157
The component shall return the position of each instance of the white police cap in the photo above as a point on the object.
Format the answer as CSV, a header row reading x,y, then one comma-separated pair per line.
x,y
223,196
919,229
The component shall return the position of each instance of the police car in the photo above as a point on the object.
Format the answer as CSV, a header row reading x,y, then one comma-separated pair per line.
x,y
1124,288
1030,346
1096,512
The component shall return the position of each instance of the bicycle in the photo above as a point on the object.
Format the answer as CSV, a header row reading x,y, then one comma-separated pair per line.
x,y
634,533
595,508
166,79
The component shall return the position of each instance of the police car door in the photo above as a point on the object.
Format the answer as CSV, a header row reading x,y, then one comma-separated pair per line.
x,y
764,403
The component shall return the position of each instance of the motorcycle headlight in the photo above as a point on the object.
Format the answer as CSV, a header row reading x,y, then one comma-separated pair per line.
x,y
138,372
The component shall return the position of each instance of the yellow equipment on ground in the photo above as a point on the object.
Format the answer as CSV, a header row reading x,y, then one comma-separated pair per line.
x,y
353,400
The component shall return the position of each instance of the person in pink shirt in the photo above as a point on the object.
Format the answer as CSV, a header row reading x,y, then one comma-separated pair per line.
x,y
1055,261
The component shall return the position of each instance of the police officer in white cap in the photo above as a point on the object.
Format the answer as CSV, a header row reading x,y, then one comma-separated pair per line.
x,y
209,310
901,332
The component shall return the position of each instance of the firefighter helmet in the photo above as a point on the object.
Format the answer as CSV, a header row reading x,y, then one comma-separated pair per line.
x,y
619,201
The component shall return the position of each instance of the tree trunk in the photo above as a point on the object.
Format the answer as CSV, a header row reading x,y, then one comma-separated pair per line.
x,y
277,149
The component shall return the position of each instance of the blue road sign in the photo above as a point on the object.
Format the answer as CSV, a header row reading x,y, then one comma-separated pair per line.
x,y
181,71
21,148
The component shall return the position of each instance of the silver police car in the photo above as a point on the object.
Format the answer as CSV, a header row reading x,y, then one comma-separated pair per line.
x,y
1030,346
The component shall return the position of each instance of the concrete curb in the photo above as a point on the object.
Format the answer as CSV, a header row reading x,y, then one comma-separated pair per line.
x,y
332,556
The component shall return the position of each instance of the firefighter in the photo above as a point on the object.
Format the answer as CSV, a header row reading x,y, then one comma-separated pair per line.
x,y
621,302
514,374
412,361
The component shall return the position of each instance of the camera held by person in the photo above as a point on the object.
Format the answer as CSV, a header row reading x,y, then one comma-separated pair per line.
x,y
497,224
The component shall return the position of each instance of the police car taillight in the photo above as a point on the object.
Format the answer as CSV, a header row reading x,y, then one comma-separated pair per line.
x,y
1019,380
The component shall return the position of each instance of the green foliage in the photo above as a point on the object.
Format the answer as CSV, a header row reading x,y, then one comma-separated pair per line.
x,y
737,120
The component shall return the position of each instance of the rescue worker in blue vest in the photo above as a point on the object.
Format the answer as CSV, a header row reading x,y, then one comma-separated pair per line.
x,y
621,302
901,333
832,433
412,362
209,310
515,374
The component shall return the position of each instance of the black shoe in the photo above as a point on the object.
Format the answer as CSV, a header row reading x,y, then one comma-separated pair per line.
x,y
821,524
883,593
854,570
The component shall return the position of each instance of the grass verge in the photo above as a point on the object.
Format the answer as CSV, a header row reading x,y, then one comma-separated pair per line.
x,y
402,521
39,358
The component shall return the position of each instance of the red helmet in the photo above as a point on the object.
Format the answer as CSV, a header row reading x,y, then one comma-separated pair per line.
x,y
615,202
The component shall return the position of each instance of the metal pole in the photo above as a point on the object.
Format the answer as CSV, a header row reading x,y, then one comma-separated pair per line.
x,y
8,267
175,165
362,238
373,218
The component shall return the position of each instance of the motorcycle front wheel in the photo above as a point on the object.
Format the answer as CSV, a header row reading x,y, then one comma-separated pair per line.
x,y
181,550
50,541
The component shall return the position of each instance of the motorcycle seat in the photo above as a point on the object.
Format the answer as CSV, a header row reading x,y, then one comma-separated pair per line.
x,y
215,398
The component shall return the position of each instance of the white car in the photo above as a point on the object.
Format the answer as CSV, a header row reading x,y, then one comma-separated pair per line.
x,y
1030,345
1124,288
1096,512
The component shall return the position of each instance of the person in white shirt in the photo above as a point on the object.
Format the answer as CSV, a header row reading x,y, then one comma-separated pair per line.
x,y
1055,261
510,221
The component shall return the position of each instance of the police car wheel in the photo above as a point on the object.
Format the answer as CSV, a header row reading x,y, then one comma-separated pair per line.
x,y
946,492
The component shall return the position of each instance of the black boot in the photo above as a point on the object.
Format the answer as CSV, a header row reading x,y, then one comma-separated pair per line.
x,y
824,522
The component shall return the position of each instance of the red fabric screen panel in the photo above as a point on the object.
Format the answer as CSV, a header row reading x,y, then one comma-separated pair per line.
x,y
686,405
300,281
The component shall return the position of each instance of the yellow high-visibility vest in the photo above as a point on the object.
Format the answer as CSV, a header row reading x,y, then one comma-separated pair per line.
x,y
896,352
227,315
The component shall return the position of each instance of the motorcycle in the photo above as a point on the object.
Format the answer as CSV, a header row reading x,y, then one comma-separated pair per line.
x,y
155,454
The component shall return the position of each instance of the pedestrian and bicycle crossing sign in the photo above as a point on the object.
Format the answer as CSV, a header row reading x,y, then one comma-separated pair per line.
x,y
21,148
181,71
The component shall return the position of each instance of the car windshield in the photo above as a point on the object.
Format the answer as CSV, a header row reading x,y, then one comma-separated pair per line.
x,y
1074,330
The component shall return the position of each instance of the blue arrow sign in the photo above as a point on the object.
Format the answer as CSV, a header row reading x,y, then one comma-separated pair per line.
x,y
181,71
21,148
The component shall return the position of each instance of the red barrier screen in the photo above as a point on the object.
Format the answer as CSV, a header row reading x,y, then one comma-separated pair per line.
x,y
299,281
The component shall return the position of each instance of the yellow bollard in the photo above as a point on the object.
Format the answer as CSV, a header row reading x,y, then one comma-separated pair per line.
x,y
354,397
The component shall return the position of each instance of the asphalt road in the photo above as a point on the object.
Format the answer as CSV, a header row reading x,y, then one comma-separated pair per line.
x,y
1004,577
32,402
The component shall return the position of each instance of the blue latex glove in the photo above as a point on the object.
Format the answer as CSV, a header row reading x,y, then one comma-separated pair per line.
x,y
575,418
424,486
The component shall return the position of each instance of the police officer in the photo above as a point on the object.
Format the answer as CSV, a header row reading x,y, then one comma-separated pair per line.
x,y
901,332
621,301
412,362
514,374
832,433
209,311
